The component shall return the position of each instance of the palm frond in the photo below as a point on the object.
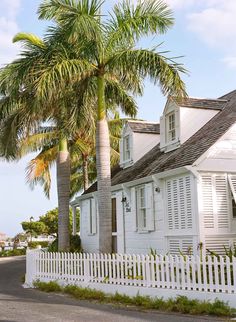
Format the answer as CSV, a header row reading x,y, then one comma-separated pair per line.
x,y
129,22
29,40
154,65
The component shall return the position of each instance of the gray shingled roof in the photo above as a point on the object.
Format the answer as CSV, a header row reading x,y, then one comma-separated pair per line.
x,y
156,161
212,104
144,127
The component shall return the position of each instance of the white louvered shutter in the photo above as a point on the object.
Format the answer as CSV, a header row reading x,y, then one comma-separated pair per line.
x,y
131,145
177,125
232,184
121,150
174,246
179,203
215,204
87,207
221,202
134,210
162,131
169,205
149,207
207,201
188,204
94,217
175,199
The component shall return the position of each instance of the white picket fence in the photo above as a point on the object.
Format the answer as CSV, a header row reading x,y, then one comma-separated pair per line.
x,y
190,273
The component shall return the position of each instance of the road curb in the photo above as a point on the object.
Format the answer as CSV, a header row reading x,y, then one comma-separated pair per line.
x,y
5,259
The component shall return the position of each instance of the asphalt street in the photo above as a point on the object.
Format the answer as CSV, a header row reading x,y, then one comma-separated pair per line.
x,y
19,305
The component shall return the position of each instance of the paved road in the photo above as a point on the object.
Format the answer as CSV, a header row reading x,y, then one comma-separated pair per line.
x,y
19,305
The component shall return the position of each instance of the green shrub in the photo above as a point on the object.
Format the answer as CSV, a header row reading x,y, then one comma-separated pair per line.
x,y
75,245
13,252
35,244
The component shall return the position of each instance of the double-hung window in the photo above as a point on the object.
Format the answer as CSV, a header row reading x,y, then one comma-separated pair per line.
x,y
141,207
126,147
171,133
144,207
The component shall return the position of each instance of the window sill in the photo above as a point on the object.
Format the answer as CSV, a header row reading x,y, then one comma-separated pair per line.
x,y
139,231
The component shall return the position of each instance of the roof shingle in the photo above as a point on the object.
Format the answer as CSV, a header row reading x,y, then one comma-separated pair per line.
x,y
144,127
156,161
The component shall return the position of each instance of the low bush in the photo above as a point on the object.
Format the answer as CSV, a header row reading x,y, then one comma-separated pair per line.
x,y
75,245
34,244
180,304
13,252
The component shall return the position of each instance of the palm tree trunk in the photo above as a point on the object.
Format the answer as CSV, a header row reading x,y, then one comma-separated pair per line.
x,y
103,173
85,171
63,191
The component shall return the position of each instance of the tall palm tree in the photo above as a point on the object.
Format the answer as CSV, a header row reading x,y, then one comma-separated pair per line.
x,y
82,155
23,110
109,46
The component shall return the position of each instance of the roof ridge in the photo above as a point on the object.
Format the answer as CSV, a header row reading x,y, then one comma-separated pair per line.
x,y
142,121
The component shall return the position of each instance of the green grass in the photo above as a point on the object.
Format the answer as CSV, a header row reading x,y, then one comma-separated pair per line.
x,y
180,304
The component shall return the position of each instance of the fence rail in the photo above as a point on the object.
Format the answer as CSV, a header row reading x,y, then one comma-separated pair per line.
x,y
211,274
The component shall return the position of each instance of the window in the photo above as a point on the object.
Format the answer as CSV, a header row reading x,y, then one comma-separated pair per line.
x,y
126,148
171,127
141,207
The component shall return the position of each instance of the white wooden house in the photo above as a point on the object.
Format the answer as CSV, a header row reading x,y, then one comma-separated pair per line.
x,y
176,184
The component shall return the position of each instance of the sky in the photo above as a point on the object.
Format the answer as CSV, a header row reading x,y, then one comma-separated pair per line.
x,y
203,35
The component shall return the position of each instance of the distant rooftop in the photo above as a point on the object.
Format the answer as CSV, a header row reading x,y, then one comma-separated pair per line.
x,y
144,127
204,103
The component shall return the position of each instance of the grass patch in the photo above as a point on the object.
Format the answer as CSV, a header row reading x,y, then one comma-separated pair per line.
x,y
48,287
180,304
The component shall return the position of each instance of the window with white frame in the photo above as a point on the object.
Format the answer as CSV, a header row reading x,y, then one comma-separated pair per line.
x,y
141,207
144,207
126,148
92,217
171,127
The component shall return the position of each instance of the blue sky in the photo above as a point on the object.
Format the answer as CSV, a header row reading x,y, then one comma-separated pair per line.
x,y
204,33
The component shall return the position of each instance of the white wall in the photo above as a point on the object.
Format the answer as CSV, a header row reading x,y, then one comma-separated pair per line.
x,y
141,243
222,155
192,119
89,242
142,143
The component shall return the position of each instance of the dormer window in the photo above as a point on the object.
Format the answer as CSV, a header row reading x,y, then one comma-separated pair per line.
x,y
127,152
171,135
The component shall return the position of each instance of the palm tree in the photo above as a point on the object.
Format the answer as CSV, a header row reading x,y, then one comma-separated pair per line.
x,y
109,47
82,155
23,110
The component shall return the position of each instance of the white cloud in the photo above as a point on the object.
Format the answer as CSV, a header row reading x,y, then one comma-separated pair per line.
x,y
230,61
8,28
214,21
216,25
